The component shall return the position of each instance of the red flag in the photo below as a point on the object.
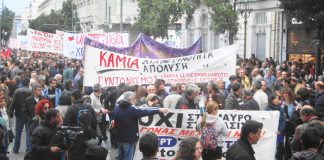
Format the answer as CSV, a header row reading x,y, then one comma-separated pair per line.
x,y
7,53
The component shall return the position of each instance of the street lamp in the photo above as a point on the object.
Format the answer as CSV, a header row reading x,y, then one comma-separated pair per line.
x,y
245,7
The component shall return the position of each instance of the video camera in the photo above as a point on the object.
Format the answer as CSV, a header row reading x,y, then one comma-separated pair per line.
x,y
66,136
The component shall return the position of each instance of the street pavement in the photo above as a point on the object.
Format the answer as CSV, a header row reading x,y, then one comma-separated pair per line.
x,y
22,151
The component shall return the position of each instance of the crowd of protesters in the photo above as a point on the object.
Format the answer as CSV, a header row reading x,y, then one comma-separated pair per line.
x,y
44,91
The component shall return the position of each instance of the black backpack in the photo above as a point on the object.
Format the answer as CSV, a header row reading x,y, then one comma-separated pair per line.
x,y
85,119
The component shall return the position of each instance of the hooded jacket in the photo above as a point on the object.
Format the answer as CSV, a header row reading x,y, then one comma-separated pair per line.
x,y
219,125
307,155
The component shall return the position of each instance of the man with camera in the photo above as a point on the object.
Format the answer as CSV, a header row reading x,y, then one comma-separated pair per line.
x,y
84,116
42,138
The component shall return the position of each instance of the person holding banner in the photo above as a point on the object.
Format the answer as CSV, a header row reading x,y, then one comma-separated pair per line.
x,y
242,148
126,117
186,100
213,129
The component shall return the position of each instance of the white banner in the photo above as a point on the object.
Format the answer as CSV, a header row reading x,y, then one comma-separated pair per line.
x,y
110,69
43,41
73,43
13,43
178,124
22,42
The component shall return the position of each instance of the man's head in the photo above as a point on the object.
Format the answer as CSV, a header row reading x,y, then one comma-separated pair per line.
x,y
53,117
129,97
96,153
278,74
307,112
257,84
264,85
37,89
76,95
159,84
191,91
269,73
97,90
233,79
247,93
251,131
149,145
150,89
311,138
175,87
52,83
255,72
242,73
236,88
58,78
284,74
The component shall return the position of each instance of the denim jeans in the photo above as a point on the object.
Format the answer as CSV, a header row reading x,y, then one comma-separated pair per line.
x,y
126,151
20,122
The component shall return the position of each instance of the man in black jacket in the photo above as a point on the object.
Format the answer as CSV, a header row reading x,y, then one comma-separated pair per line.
x,y
242,148
42,139
77,152
31,101
16,106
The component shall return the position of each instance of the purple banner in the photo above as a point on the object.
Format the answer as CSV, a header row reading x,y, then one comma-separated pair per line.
x,y
146,47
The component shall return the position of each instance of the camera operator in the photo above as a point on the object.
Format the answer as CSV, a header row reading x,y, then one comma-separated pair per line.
x,y
83,115
43,135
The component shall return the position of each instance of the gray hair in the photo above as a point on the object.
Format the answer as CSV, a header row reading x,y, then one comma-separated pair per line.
x,y
190,88
35,86
247,92
257,84
57,75
41,78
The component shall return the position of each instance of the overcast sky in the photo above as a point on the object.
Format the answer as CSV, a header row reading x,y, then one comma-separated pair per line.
x,y
18,6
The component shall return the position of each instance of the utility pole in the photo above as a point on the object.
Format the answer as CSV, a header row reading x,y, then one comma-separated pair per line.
x,y
121,16
72,15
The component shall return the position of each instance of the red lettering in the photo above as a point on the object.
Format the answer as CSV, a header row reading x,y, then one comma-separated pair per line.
x,y
102,58
122,60
184,133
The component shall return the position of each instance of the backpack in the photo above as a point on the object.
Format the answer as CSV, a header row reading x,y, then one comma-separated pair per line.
x,y
209,136
85,120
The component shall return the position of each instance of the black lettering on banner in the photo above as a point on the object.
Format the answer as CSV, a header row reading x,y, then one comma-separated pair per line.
x,y
179,120
164,119
191,125
149,121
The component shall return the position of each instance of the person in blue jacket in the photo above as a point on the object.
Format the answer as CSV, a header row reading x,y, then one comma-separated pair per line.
x,y
52,92
274,105
126,117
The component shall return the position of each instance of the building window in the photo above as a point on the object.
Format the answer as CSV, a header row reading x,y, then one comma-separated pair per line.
x,y
261,18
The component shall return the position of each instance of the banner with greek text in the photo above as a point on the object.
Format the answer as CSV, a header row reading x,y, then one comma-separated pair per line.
x,y
146,47
74,43
110,69
172,127
43,41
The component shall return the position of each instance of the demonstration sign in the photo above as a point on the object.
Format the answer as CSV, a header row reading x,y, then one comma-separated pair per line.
x,y
110,69
74,43
172,127
43,41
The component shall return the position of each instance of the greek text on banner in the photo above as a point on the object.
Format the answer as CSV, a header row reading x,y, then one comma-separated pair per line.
x,y
111,69
178,124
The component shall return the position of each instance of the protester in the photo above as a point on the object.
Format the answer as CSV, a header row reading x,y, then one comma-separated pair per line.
x,y
160,91
233,80
189,149
96,153
213,130
52,92
16,106
259,96
311,139
126,122
31,101
39,117
186,100
149,146
242,148
274,105
249,102
87,122
233,100
171,100
42,136
64,103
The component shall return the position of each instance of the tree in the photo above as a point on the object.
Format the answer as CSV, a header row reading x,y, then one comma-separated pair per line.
x,y
155,16
67,16
311,13
7,18
224,17
56,20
